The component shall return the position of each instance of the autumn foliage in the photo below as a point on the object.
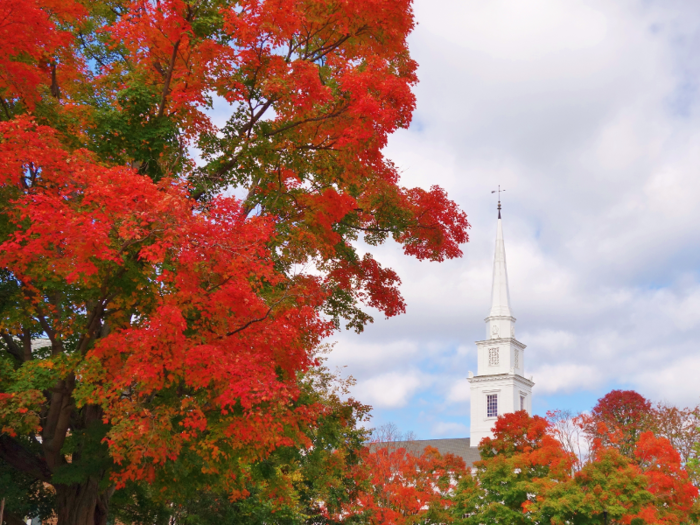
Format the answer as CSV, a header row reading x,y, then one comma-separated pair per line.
x,y
165,281
400,487
175,320
529,474
618,419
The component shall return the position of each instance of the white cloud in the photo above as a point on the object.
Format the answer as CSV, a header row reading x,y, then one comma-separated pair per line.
x,y
459,392
392,390
374,356
445,428
677,382
565,378
586,111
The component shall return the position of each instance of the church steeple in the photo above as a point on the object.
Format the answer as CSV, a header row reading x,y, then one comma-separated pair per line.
x,y
499,385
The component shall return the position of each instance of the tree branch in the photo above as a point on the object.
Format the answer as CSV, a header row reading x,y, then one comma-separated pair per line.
x,y
13,453
58,420
168,78
320,118
249,323
5,108
12,346
56,344
255,117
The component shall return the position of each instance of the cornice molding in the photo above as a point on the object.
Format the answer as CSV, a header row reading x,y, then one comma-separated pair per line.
x,y
495,377
511,340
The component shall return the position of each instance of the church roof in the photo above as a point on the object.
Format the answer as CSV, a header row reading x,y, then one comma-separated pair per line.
x,y
458,446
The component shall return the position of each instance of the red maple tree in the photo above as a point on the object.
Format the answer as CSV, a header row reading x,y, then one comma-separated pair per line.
x,y
178,319
526,475
673,491
618,419
400,487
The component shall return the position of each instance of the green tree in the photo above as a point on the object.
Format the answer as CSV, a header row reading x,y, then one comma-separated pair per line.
x,y
521,453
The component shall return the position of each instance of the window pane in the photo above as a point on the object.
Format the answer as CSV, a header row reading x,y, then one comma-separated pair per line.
x,y
492,405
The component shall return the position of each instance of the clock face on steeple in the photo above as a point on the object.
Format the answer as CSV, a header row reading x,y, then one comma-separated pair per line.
x,y
494,332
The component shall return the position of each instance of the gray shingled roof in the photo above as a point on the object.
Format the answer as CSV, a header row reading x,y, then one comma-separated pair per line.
x,y
457,446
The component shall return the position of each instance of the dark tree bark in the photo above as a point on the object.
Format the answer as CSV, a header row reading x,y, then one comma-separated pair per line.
x,y
82,504
16,455
79,503
11,519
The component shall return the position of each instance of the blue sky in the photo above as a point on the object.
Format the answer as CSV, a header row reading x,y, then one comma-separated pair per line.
x,y
587,113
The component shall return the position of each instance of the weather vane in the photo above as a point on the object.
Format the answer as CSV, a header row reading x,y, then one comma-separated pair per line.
x,y
499,190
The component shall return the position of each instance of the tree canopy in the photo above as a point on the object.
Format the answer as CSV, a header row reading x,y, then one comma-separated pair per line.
x,y
179,318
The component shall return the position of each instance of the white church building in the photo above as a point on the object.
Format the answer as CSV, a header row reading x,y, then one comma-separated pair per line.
x,y
499,386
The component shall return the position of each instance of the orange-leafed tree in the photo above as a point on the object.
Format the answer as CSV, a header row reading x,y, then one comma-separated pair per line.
x,y
610,488
522,453
175,320
652,488
681,426
526,476
618,419
400,487
674,495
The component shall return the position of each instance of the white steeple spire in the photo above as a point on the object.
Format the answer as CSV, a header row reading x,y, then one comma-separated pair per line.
x,y
500,298
499,386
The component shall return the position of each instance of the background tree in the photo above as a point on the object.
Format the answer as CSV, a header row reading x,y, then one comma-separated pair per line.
x,y
526,476
179,320
399,487
389,434
610,488
681,426
569,429
521,454
674,495
618,419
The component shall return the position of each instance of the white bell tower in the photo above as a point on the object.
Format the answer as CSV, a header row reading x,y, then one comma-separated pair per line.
x,y
499,386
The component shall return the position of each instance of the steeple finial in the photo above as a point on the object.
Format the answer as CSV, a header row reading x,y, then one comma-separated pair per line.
x,y
499,190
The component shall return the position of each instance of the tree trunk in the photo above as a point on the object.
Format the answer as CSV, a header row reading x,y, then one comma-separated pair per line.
x,y
82,504
11,519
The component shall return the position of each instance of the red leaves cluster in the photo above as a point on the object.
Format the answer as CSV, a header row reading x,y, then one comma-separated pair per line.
x,y
184,289
526,455
674,494
176,313
79,214
440,226
518,435
255,37
399,487
33,49
618,419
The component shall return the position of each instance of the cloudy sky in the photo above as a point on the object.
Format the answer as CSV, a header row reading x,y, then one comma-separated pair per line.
x,y
587,113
